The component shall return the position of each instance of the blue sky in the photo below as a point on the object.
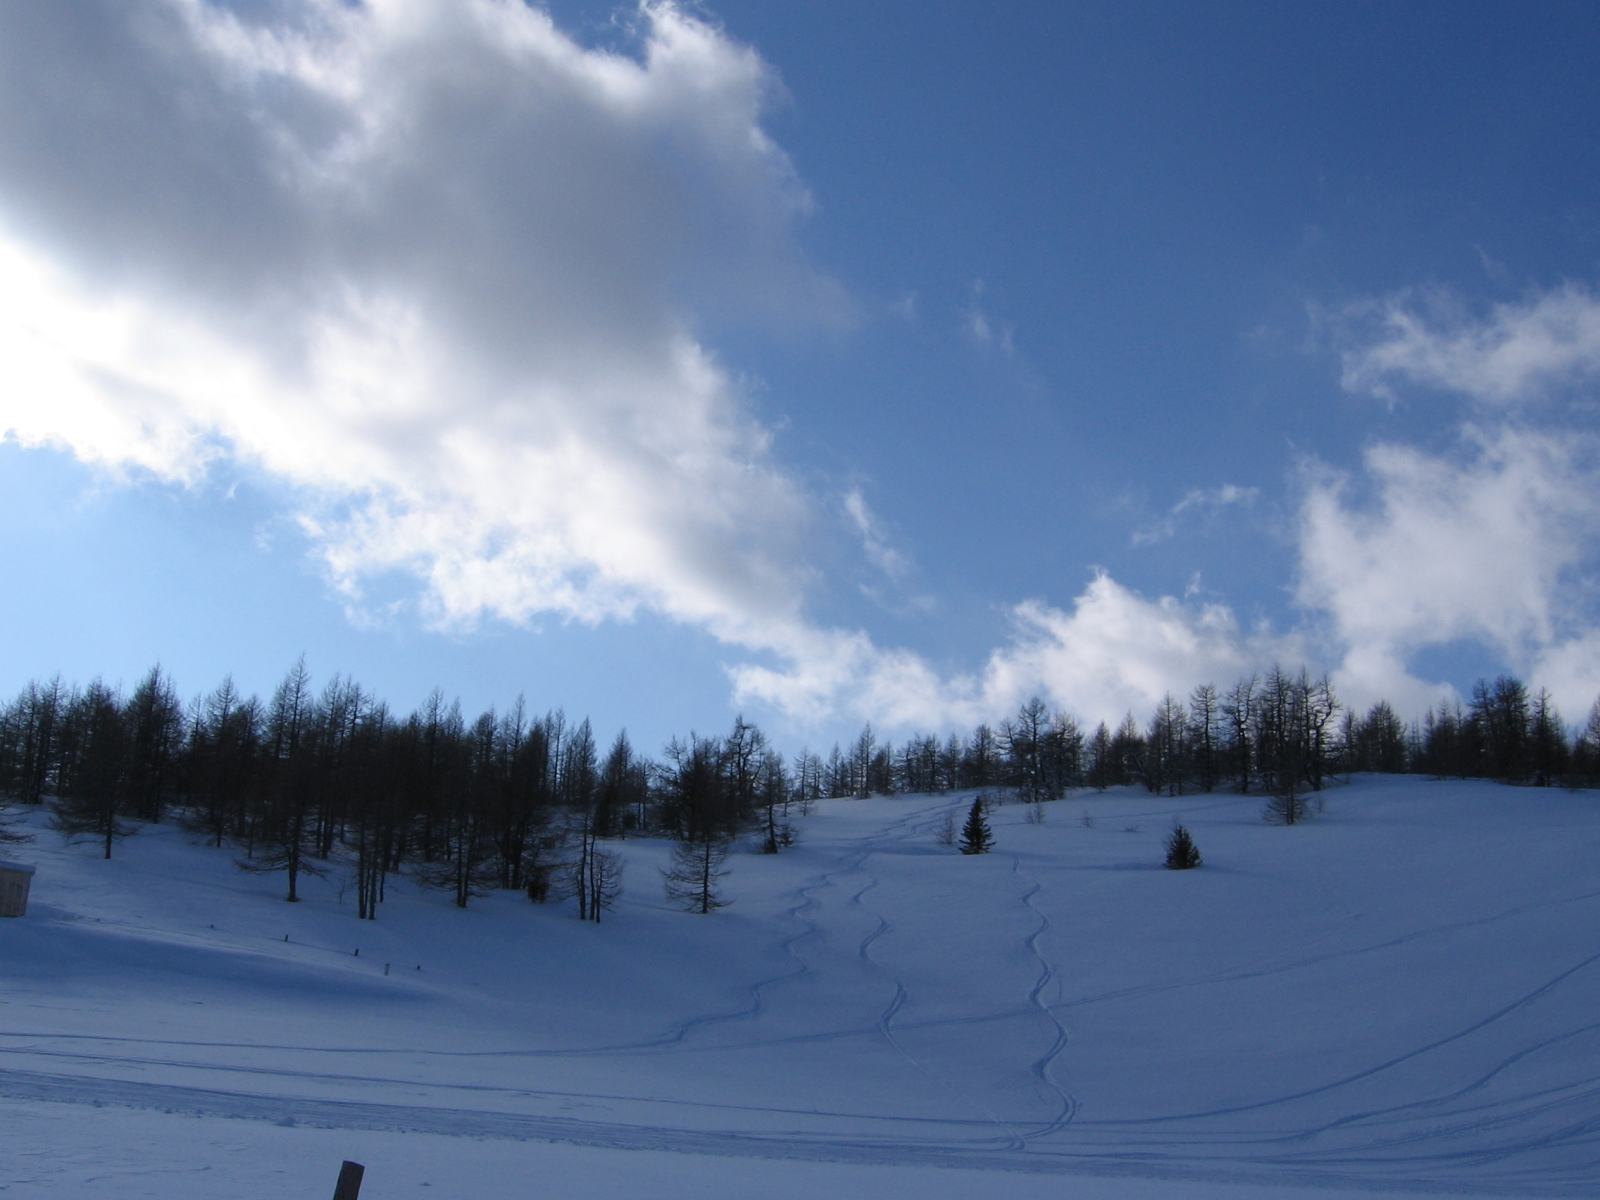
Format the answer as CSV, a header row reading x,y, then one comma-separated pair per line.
x,y
826,362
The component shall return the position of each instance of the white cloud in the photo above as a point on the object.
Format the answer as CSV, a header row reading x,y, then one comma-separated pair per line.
x,y
1570,668
982,328
1202,504
1117,651
431,263
874,538
1517,353
1113,652
1492,542
1483,545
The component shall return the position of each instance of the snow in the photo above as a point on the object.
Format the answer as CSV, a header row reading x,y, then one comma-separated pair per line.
x,y
1396,997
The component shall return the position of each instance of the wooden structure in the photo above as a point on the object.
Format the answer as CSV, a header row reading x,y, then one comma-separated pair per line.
x,y
349,1185
15,880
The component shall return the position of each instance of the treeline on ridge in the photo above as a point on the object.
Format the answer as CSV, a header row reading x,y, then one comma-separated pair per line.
x,y
514,801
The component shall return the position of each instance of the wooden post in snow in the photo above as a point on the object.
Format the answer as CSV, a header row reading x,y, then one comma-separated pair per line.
x,y
349,1185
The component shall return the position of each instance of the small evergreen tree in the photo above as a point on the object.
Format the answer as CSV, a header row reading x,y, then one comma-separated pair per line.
x,y
1182,853
975,836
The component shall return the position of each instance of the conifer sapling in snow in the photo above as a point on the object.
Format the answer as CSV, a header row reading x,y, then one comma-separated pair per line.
x,y
975,836
1182,853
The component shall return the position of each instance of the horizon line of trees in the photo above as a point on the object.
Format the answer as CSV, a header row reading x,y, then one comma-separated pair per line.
x,y
509,800
1270,733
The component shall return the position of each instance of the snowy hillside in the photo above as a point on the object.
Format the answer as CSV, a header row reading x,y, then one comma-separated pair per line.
x,y
1397,996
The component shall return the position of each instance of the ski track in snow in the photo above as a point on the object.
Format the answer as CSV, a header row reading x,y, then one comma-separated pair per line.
x,y
1303,962
1043,1067
1386,1065
860,1149
807,902
1013,1138
1481,1135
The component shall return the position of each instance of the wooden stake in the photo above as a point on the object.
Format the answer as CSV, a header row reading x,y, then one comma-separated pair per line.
x,y
349,1185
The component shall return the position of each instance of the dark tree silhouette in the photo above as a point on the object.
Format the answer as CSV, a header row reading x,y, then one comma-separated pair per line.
x,y
1288,804
1239,711
1205,734
33,729
772,797
1166,748
975,835
154,720
1586,750
693,882
622,790
604,882
980,764
1548,752
1182,853
91,800
281,836
1026,741
1100,774
1499,713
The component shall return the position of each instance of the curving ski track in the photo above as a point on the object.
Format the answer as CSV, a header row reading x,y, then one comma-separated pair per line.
x,y
1042,1068
1482,1134
937,1150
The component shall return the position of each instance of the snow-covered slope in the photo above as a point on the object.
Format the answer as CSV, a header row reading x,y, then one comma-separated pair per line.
x,y
1400,995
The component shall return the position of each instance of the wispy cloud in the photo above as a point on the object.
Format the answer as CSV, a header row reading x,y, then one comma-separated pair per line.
x,y
1516,353
983,328
874,538
1198,505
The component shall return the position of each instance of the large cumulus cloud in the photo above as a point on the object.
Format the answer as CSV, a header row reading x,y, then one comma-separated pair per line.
x,y
432,264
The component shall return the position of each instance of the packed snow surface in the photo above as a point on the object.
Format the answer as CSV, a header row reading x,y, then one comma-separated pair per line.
x,y
1398,996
